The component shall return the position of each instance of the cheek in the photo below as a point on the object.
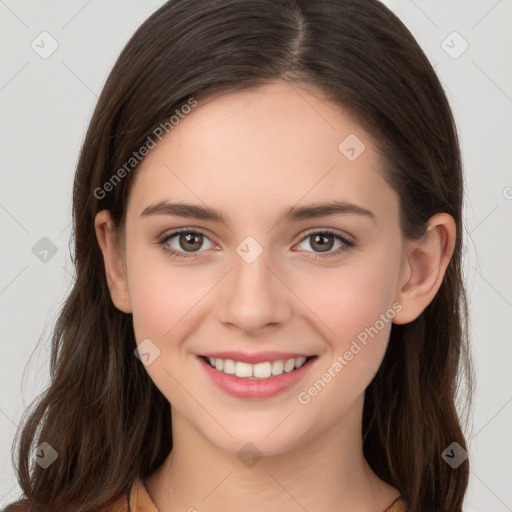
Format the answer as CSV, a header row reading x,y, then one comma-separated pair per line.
x,y
163,295
351,297
355,311
164,300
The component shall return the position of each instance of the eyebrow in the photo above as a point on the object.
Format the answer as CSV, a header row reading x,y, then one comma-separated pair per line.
x,y
292,214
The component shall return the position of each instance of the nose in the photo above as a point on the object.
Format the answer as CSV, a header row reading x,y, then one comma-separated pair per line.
x,y
254,295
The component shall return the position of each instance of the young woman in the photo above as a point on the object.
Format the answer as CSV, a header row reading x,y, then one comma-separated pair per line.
x,y
269,311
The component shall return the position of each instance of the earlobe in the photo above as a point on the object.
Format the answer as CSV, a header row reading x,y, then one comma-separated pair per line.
x,y
113,261
424,267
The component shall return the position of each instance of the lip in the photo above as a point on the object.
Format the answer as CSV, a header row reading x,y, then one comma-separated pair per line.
x,y
255,388
257,357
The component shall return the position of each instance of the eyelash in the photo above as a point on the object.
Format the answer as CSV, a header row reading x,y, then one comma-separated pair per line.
x,y
347,244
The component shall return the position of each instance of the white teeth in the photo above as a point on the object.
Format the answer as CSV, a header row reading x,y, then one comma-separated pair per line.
x,y
299,361
262,370
257,371
277,367
289,365
243,369
229,366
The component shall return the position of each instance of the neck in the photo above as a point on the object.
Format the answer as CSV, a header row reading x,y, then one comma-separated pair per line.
x,y
326,472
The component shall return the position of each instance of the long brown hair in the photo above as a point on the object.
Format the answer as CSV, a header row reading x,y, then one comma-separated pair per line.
x,y
102,413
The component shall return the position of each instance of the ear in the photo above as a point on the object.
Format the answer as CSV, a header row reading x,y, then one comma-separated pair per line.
x,y
423,268
114,265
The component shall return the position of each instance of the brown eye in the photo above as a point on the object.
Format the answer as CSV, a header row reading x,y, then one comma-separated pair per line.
x,y
190,241
184,242
322,242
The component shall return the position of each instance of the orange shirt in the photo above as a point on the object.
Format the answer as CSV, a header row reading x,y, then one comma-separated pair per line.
x,y
140,501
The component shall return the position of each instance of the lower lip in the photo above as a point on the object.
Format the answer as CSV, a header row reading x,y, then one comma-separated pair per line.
x,y
256,388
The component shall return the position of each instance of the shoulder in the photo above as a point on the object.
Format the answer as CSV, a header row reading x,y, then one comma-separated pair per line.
x,y
398,505
137,500
120,504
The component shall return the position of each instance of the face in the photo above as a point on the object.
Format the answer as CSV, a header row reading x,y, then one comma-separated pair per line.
x,y
275,280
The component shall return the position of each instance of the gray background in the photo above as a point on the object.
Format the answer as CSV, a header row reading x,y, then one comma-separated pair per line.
x,y
46,103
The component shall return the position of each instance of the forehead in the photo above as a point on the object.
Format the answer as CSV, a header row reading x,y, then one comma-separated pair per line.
x,y
255,151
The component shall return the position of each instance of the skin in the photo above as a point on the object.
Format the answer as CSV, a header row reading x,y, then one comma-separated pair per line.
x,y
252,154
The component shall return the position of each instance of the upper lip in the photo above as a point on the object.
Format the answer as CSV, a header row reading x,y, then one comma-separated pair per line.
x,y
257,357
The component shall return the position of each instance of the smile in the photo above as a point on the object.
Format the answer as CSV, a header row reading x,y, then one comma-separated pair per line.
x,y
264,378
262,370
